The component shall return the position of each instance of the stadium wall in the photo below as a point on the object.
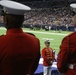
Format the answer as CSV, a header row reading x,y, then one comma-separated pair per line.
x,y
54,27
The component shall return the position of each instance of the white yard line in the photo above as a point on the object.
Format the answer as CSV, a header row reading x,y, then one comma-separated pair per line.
x,y
47,39
46,33
1,28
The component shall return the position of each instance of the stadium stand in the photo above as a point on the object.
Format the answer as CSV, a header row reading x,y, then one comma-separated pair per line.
x,y
51,13
54,14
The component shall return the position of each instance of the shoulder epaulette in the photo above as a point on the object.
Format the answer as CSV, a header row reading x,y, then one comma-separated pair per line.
x,y
71,34
68,36
31,34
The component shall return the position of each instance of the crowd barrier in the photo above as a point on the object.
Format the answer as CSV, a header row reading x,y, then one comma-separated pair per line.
x,y
63,28
53,27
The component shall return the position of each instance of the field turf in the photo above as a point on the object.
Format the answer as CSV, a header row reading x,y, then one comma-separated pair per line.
x,y
54,36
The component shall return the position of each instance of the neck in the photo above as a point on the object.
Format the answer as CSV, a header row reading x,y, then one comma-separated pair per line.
x,y
12,28
47,47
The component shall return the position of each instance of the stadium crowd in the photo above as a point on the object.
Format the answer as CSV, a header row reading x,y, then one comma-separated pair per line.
x,y
48,16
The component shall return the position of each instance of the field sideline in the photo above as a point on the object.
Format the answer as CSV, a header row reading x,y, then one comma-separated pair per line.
x,y
54,37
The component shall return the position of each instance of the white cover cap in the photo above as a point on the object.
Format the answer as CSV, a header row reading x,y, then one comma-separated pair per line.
x,y
73,6
5,0
12,7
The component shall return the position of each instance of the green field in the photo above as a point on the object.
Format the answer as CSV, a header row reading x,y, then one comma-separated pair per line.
x,y
54,37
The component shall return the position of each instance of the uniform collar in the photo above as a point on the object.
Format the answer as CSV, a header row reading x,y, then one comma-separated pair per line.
x,y
18,30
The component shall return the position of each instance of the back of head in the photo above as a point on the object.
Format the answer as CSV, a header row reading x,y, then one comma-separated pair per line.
x,y
13,21
13,13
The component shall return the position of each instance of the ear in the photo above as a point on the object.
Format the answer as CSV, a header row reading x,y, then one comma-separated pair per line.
x,y
74,20
5,21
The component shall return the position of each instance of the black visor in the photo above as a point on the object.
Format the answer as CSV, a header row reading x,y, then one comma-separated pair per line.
x,y
47,42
